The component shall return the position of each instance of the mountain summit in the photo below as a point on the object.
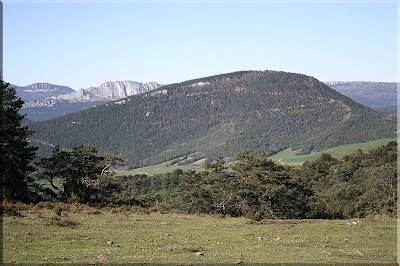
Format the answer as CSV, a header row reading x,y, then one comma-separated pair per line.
x,y
220,116
40,91
110,90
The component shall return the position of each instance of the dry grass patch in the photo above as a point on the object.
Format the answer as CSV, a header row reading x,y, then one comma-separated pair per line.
x,y
151,237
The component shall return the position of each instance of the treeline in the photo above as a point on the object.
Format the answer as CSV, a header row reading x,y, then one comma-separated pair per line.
x,y
358,185
254,186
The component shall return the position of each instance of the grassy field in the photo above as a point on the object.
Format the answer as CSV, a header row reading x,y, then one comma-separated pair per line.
x,y
289,157
285,157
161,168
81,234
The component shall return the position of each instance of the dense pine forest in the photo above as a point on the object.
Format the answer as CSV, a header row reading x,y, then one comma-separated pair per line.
x,y
219,116
357,185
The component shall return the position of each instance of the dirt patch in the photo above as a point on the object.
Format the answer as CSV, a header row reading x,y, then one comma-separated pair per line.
x,y
239,89
281,222
351,252
78,237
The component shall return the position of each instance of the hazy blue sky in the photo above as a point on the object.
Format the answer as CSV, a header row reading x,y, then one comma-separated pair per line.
x,y
85,44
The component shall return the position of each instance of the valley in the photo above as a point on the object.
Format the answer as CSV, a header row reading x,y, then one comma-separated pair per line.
x,y
199,133
289,157
286,157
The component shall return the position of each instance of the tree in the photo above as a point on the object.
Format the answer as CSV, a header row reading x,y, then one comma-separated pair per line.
x,y
217,167
16,153
79,170
267,190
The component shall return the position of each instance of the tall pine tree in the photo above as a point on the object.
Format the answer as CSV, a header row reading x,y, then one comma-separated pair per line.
x,y
14,147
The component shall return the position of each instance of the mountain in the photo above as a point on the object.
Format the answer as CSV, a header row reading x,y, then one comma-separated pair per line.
x,y
372,94
40,91
109,91
58,105
219,116
391,110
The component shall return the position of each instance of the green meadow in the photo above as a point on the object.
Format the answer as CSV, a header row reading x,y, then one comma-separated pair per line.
x,y
60,233
284,157
165,167
289,157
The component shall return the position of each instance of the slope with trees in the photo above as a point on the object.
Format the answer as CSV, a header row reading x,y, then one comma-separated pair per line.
x,y
219,116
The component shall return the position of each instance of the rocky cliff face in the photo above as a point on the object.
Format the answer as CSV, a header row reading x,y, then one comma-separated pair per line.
x,y
110,90
40,91
54,103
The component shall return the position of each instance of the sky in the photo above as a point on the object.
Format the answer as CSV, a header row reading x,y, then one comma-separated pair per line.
x,y
83,44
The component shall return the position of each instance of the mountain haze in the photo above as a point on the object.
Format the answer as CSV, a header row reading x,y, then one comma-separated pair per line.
x,y
219,116
372,94
391,110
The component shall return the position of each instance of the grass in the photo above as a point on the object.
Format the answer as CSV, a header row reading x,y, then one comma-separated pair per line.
x,y
285,157
162,168
289,157
129,235
159,169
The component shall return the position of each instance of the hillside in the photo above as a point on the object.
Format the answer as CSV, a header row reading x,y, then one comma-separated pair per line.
x,y
219,116
372,94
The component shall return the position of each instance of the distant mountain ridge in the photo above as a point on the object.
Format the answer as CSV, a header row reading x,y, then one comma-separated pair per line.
x,y
60,100
375,95
391,110
40,91
219,116
110,90
46,101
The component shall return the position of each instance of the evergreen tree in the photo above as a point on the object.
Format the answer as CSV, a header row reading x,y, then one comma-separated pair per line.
x,y
79,170
14,147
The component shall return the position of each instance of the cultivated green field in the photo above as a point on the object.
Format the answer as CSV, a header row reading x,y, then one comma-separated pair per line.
x,y
285,157
289,157
161,168
123,235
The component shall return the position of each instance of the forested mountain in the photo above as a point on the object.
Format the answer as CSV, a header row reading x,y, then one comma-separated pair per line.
x,y
45,101
219,116
51,104
372,94
40,91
